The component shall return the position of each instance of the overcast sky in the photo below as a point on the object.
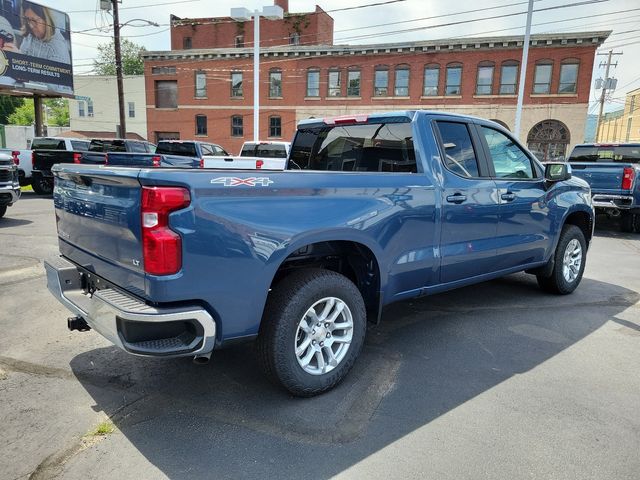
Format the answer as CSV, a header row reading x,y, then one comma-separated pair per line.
x,y
625,25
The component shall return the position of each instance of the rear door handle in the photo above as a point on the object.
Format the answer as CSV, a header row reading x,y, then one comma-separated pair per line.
x,y
508,197
457,198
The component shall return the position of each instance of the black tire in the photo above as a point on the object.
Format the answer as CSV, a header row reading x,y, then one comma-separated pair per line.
x,y
42,185
556,282
636,222
287,305
627,222
3,210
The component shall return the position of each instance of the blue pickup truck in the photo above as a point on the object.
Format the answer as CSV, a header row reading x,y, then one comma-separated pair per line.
x,y
371,210
169,153
613,172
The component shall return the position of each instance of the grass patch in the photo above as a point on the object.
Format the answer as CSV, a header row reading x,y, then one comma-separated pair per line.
x,y
28,188
102,429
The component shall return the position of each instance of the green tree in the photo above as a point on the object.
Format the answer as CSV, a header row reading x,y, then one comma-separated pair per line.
x,y
132,63
57,113
8,104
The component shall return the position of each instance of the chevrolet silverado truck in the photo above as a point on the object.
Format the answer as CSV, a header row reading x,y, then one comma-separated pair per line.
x,y
92,152
613,172
371,210
9,183
169,153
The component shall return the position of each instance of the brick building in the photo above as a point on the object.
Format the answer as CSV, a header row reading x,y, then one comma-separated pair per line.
x,y
204,86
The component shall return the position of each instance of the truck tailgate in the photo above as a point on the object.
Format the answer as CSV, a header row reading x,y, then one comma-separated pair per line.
x,y
98,221
602,177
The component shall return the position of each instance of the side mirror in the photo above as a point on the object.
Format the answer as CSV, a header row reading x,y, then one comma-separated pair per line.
x,y
557,172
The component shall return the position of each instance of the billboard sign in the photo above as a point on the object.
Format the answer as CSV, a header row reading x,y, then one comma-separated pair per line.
x,y
35,49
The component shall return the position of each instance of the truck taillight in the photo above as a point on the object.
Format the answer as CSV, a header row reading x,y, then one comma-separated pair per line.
x,y
16,157
33,158
202,163
106,159
161,246
77,157
155,160
259,164
628,176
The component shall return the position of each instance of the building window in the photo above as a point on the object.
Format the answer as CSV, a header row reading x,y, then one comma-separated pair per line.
x,y
166,94
381,82
353,83
548,140
239,41
201,85
632,104
294,38
542,77
236,126
275,127
89,108
335,83
568,76
132,109
484,83
186,43
431,80
275,84
236,84
201,124
313,83
163,70
401,85
628,128
454,79
81,108
509,78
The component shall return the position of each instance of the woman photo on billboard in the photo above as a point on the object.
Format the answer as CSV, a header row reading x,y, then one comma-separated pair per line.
x,y
40,37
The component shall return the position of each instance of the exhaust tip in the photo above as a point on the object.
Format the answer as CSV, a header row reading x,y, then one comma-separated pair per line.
x,y
202,359
78,323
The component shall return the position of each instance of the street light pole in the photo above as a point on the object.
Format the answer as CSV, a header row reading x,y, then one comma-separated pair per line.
x,y
256,76
116,40
523,71
273,12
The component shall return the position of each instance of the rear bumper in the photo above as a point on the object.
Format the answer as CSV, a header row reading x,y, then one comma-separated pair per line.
x,y
623,202
128,322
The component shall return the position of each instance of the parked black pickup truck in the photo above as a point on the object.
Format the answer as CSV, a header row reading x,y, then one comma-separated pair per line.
x,y
77,151
9,186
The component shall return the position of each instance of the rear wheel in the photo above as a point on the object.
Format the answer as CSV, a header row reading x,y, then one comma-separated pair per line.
x,y
569,262
42,185
3,210
312,331
636,222
627,221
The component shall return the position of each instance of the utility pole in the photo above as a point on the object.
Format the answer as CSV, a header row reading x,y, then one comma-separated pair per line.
x,y
523,71
122,133
605,84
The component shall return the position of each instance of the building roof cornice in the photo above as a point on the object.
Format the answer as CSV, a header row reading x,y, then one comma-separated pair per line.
x,y
568,39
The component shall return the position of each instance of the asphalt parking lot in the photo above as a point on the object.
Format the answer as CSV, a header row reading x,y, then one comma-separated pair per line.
x,y
498,380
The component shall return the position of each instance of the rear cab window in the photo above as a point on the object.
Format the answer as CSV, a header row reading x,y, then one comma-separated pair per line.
x,y
605,153
79,145
182,149
370,147
48,144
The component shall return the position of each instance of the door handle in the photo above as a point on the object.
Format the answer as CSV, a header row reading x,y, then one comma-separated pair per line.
x,y
457,198
508,197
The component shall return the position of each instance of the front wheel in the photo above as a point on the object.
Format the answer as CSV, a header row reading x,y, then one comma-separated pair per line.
x,y
569,262
312,331
42,185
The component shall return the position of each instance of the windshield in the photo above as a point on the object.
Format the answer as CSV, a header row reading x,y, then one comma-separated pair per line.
x,y
606,153
184,149
379,147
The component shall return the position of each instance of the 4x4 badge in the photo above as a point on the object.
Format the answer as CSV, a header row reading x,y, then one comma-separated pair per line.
x,y
247,182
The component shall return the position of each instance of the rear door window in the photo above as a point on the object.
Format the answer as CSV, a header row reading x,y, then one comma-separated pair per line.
x,y
206,150
137,147
375,147
248,150
459,155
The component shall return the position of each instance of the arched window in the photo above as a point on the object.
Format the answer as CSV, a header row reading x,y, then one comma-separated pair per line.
x,y
401,84
484,82
431,80
454,79
548,140
509,77
569,75
542,77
